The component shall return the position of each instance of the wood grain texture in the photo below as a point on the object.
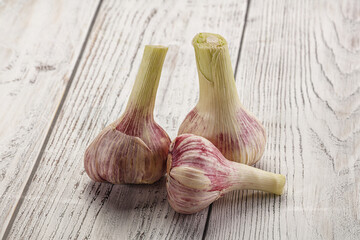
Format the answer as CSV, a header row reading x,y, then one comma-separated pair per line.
x,y
62,202
39,45
299,71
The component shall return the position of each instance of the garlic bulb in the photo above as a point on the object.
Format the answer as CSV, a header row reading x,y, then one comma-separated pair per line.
x,y
198,174
134,148
219,115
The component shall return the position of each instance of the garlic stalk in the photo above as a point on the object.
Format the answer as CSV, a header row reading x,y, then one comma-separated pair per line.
x,y
134,148
198,174
219,115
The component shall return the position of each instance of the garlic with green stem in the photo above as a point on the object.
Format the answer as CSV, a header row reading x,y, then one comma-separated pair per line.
x,y
134,148
219,115
198,174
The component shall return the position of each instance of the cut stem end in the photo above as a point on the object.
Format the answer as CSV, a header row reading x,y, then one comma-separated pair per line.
x,y
209,40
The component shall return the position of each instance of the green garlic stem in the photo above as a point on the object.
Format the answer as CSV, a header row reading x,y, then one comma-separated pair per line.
x,y
142,98
247,177
216,77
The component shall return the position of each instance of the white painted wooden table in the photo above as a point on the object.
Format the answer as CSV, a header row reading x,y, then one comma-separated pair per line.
x,y
66,71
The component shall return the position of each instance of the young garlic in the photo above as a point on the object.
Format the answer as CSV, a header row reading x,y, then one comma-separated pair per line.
x,y
198,174
219,115
134,148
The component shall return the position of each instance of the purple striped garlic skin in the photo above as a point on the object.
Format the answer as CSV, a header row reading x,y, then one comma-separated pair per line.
x,y
117,157
240,137
219,115
198,174
134,148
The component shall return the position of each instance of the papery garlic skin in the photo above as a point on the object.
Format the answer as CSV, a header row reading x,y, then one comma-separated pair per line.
x,y
134,148
198,174
219,115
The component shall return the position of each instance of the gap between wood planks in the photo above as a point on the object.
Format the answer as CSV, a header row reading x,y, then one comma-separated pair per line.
x,y
235,73
56,116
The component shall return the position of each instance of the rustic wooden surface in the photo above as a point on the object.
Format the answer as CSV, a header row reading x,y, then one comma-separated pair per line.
x,y
66,71
40,44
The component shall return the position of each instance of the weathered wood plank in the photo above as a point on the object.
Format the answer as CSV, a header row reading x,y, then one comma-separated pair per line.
x,y
62,202
40,42
299,71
